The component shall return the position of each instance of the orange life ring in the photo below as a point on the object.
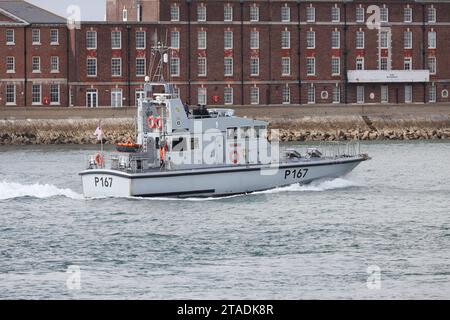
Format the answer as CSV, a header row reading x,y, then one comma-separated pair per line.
x,y
151,122
158,123
99,160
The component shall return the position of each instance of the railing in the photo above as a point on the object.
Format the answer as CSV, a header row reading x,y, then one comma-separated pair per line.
x,y
336,149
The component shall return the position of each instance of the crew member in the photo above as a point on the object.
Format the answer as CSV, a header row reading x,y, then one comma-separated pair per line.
x,y
162,155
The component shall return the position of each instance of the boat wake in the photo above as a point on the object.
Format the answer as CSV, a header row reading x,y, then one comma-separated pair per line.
x,y
12,190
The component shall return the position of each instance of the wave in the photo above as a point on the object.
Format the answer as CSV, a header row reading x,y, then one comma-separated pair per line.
x,y
12,190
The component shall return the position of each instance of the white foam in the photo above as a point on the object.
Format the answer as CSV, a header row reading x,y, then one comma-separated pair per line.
x,y
12,190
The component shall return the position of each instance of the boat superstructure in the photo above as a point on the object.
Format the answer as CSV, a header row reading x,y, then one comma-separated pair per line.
x,y
183,152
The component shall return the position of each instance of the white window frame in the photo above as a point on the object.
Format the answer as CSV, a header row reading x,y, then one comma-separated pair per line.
x,y
254,95
384,14
408,93
285,13
431,15
228,67
143,74
360,15
202,96
384,94
383,63
36,61
432,93
11,62
432,65
36,37
254,39
310,14
254,66
432,39
360,39
407,39
201,13
360,95
228,13
10,34
88,66
175,39
254,13
285,39
407,63
33,92
54,61
114,40
310,66
10,103
202,67
58,92
91,40
228,95
116,65
228,38
407,15
202,40
359,62
384,39
337,93
116,98
335,39
310,39
124,15
174,12
52,42
335,63
141,40
335,14
175,67
285,66
311,94
286,95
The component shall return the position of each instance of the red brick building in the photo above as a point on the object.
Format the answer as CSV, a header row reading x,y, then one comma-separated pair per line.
x,y
247,52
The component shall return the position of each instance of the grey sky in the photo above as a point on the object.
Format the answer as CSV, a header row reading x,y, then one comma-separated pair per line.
x,y
91,10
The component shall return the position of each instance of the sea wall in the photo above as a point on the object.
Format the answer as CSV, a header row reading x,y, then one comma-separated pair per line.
x,y
304,128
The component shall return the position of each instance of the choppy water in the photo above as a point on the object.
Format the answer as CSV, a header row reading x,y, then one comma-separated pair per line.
x,y
299,242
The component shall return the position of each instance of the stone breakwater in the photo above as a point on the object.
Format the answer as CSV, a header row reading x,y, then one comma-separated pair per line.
x,y
319,128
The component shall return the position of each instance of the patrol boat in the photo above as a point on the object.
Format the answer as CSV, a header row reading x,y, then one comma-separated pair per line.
x,y
201,152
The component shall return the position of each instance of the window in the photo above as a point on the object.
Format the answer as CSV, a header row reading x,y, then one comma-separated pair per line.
x,y
125,15
10,65
384,39
228,66
432,40
335,66
407,63
228,95
310,14
176,92
431,15
36,36
432,93
360,14
201,97
407,39
141,40
285,13
141,66
360,63
407,14
175,67
335,14
432,65
310,66
359,39
54,36
408,94
139,12
10,37
174,13
311,94
228,13
10,94
201,36
254,95
254,40
310,39
116,98
54,64
254,66
254,13
285,39
359,94
285,66
91,40
54,94
116,67
36,93
384,97
116,40
201,13
286,95
175,39
335,39
383,63
384,14
91,67
36,64
336,94
228,40
201,66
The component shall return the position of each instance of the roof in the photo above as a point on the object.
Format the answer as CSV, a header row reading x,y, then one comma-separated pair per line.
x,y
29,13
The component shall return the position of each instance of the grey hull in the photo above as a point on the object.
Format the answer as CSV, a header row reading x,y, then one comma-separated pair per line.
x,y
211,182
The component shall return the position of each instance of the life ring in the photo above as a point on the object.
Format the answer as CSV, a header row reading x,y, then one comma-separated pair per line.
x,y
234,157
151,122
158,123
99,160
